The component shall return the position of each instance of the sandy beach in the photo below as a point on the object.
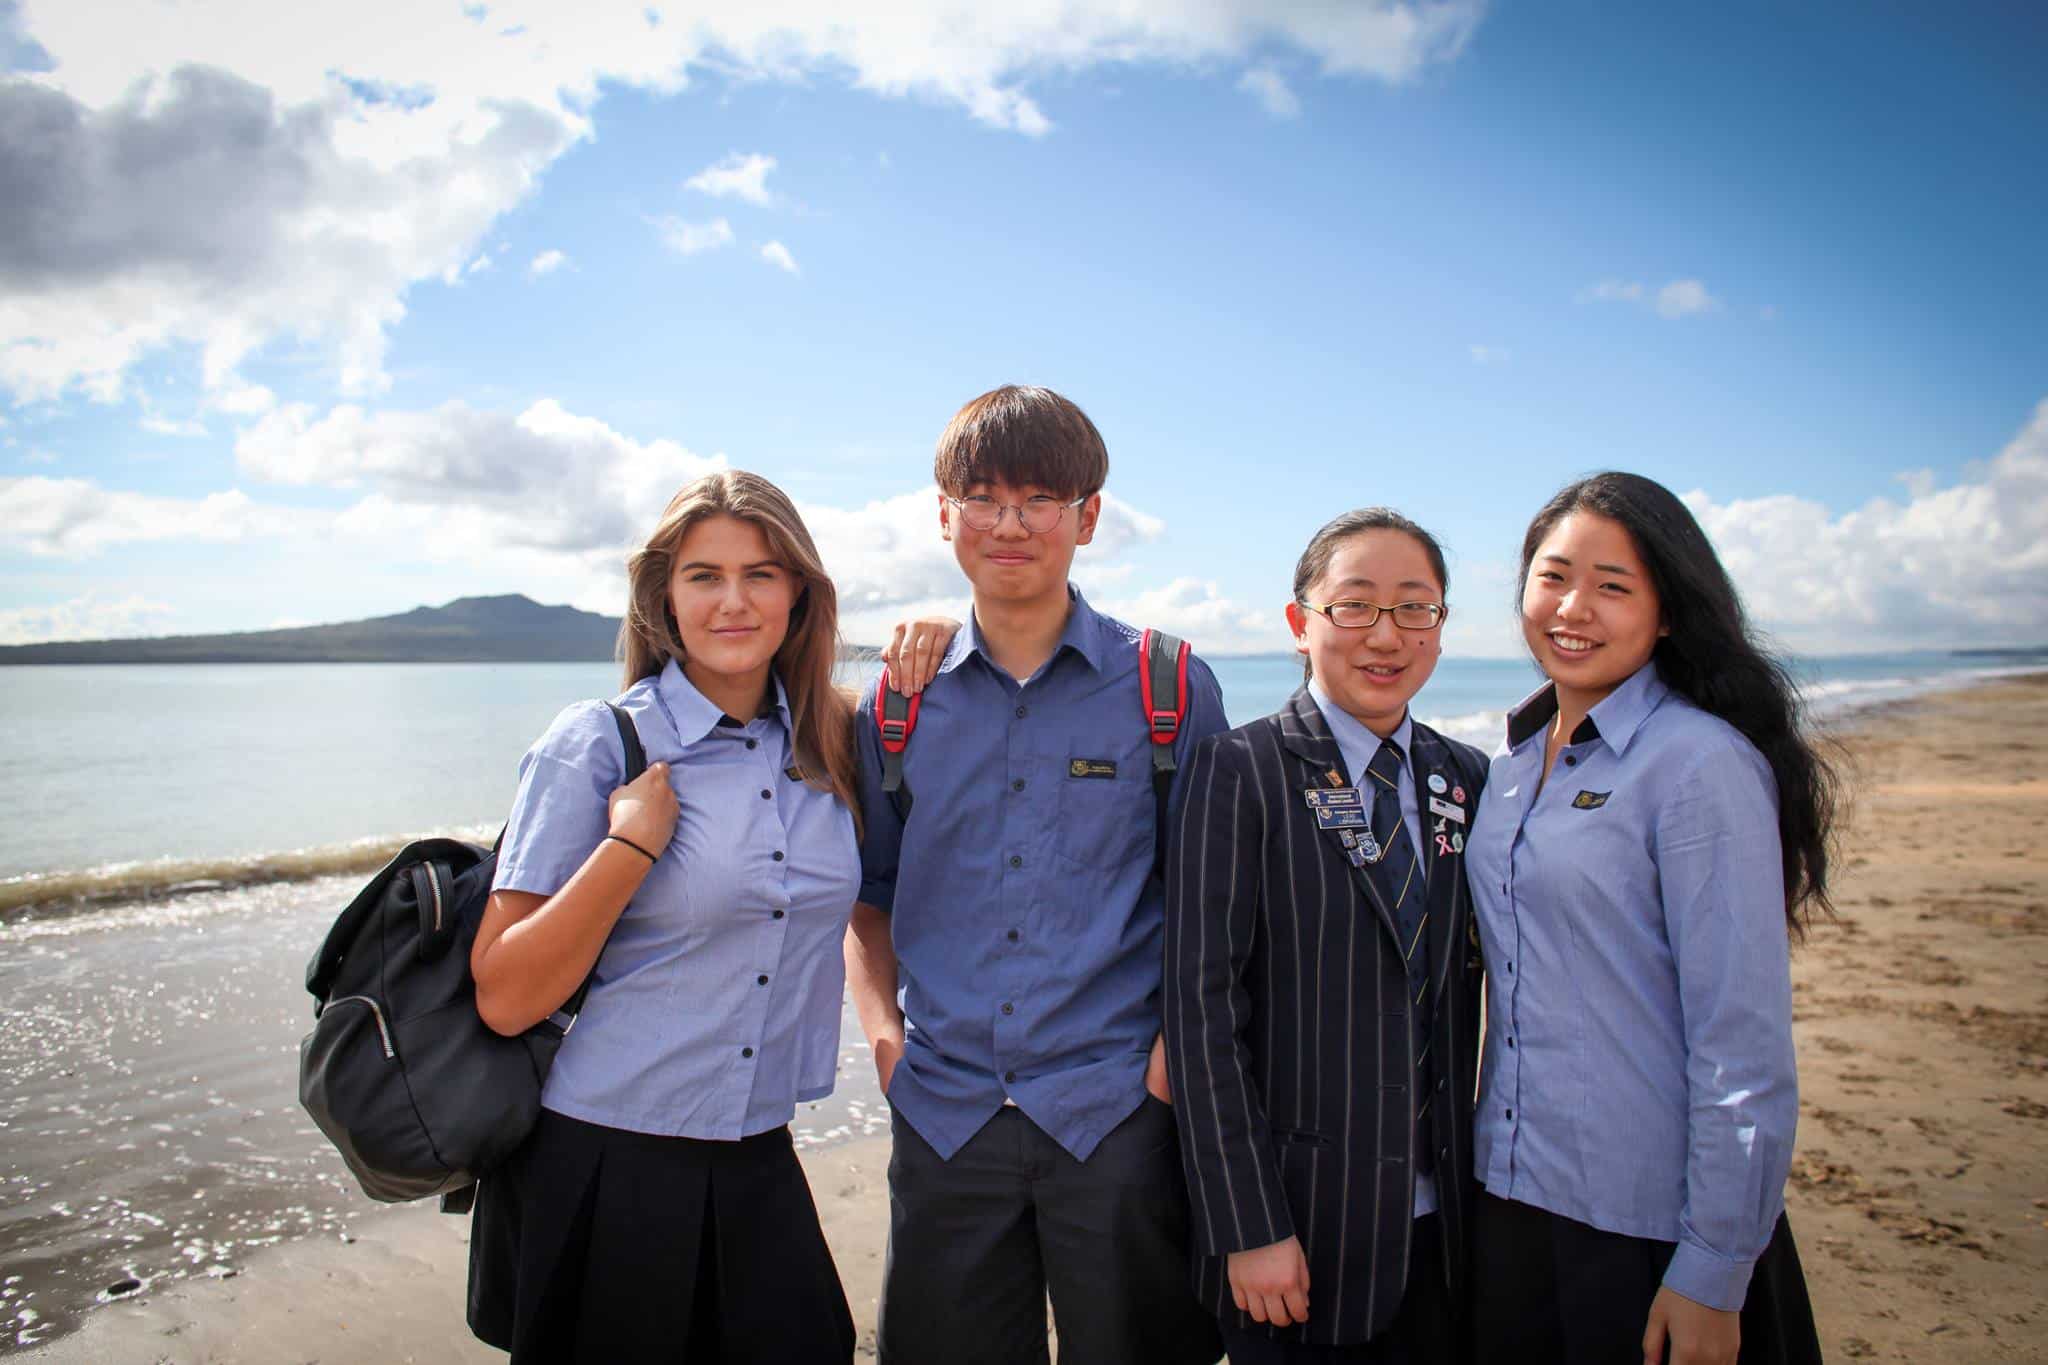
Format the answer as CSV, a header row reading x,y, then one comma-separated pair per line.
x,y
1919,1195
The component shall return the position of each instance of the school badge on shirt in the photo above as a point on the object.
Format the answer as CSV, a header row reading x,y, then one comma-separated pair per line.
x,y
1590,800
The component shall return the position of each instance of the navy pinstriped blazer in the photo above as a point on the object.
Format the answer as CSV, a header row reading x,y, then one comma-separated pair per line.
x,y
1287,1026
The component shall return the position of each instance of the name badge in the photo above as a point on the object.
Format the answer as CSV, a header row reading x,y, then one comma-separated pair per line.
x,y
1590,800
1334,798
1341,818
1439,806
1091,767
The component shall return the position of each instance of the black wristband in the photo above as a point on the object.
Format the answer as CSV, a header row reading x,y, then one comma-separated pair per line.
x,y
622,839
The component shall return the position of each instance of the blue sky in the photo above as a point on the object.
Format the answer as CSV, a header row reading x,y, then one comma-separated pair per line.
x,y
316,319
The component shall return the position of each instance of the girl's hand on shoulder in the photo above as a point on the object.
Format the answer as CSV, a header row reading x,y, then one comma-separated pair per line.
x,y
1696,1334
644,810
916,649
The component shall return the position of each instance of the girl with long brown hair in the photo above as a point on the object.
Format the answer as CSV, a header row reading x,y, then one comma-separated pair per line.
x,y
658,1209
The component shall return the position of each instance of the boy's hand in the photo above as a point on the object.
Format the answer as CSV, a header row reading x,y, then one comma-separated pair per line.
x,y
1271,1282
1156,1084
1698,1335
888,1052
915,651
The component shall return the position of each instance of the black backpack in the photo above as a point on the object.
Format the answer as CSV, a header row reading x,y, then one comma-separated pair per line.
x,y
406,1080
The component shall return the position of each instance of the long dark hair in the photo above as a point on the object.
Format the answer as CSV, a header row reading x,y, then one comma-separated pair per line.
x,y
1712,658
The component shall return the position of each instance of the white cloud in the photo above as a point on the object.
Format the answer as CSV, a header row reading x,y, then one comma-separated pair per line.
x,y
547,263
1612,291
89,617
777,255
165,426
738,176
369,147
1965,564
244,400
1678,299
72,518
1270,89
1683,298
688,239
1199,612
37,455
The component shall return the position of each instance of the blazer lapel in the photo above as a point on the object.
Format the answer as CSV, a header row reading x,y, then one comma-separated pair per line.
x,y
1305,734
1433,759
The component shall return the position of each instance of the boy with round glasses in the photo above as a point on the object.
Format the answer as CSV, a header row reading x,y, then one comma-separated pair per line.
x,y
1005,956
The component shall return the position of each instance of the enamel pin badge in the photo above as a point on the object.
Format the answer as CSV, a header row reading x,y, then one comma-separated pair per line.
x,y
1439,806
1437,783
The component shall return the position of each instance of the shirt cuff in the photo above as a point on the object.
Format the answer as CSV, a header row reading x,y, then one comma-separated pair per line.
x,y
1708,1279
881,895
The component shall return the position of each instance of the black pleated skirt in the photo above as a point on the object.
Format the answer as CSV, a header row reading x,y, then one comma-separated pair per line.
x,y
597,1244
1546,1288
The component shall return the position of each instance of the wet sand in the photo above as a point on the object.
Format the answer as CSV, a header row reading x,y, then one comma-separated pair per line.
x,y
1919,1195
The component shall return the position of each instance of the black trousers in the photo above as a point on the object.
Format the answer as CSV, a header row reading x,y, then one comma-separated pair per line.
x,y
593,1244
1549,1288
1423,1331
978,1242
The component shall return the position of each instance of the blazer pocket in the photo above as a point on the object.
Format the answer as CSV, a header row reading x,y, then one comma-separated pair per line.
x,y
1301,1137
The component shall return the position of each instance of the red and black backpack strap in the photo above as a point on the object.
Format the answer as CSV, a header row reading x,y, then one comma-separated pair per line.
x,y
895,723
1163,686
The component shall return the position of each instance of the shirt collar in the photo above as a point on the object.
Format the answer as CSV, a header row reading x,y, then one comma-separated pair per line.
x,y
1083,634
692,713
1615,718
1352,733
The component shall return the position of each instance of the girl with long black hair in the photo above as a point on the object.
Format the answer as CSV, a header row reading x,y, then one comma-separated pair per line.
x,y
1651,837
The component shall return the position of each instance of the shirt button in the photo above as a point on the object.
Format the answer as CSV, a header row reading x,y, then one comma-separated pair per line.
x,y
1017,785
761,980
1511,1040
778,914
1511,1113
1021,710
1009,1008
1009,1078
1016,861
753,744
776,855
1571,760
1013,936
767,795
746,1052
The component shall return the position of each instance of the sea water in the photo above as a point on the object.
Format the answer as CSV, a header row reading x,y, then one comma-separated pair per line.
x,y
130,779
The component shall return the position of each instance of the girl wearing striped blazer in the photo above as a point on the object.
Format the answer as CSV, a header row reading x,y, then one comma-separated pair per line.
x,y
1322,990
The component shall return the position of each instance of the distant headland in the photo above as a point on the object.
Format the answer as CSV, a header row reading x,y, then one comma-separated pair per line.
x,y
508,629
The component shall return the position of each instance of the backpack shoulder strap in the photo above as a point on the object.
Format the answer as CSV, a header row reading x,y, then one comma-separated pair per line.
x,y
1163,687
636,764
895,723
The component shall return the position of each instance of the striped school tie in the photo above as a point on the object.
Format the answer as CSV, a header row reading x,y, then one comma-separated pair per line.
x,y
1398,877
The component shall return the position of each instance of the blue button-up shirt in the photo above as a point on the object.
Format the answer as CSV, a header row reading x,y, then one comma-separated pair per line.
x,y
715,1005
1027,923
1356,745
1638,1073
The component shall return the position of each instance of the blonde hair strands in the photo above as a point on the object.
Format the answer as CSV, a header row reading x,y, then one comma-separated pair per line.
x,y
821,716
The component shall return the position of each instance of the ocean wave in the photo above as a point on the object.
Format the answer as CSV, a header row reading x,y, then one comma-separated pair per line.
x,y
39,894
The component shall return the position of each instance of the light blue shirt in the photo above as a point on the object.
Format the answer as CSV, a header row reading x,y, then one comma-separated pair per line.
x,y
1356,745
715,1005
1029,929
1638,1073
